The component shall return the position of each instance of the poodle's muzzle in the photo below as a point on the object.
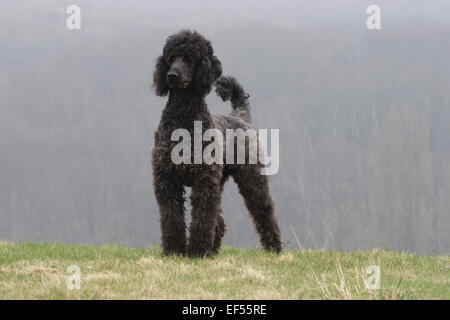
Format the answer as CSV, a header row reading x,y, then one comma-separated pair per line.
x,y
179,75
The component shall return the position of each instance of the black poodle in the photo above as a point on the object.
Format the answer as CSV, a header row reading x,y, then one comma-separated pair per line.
x,y
186,71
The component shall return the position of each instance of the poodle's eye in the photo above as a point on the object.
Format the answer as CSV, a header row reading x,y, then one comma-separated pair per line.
x,y
205,60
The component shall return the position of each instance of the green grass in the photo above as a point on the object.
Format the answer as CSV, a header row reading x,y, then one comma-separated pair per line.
x,y
39,271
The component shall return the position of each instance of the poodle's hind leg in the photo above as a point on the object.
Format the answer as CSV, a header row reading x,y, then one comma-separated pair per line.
x,y
254,187
219,232
205,200
220,226
170,198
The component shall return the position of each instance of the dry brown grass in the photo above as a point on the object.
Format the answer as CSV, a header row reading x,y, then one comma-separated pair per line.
x,y
31,271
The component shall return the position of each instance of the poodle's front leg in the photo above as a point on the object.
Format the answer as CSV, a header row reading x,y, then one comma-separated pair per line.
x,y
205,199
170,198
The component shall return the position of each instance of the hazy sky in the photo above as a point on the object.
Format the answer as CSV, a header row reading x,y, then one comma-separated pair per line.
x,y
222,13
364,117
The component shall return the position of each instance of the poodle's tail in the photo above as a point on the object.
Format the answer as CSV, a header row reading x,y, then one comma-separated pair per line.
x,y
229,89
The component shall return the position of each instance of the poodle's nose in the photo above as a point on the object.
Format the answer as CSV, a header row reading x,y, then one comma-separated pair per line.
x,y
172,77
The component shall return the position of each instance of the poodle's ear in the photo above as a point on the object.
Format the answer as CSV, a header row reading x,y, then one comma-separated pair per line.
x,y
208,72
159,77
216,67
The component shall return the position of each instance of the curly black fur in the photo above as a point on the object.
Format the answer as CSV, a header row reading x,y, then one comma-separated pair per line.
x,y
229,89
184,106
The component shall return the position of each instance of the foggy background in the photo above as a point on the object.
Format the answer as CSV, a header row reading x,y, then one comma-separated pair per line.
x,y
364,118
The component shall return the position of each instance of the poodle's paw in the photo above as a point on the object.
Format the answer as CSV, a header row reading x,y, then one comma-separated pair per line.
x,y
199,252
174,251
274,246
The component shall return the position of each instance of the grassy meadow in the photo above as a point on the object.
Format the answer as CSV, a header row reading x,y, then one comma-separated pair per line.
x,y
43,271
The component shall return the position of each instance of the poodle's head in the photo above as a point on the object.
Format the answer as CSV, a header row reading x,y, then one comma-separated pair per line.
x,y
187,63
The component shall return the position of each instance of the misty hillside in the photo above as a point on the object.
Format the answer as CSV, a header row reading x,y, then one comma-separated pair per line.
x,y
363,116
